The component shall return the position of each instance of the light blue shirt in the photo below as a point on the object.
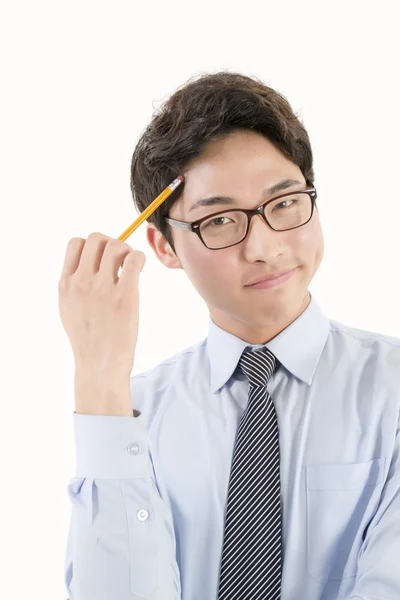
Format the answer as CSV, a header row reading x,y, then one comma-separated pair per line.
x,y
149,495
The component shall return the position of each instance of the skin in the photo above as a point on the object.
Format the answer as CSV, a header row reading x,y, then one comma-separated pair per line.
x,y
241,165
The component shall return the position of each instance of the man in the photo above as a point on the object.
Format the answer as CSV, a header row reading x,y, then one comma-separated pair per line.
x,y
264,462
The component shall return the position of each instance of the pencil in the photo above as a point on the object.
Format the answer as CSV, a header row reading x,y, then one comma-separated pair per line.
x,y
151,208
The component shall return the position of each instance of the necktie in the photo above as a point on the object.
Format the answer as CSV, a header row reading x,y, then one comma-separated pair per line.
x,y
251,553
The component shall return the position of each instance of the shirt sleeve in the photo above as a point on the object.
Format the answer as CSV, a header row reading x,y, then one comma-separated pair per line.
x,y
378,572
121,541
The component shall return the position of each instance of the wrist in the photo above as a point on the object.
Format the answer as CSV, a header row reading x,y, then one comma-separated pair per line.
x,y
102,396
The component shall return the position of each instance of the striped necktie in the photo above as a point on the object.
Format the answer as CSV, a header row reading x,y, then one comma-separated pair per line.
x,y
251,554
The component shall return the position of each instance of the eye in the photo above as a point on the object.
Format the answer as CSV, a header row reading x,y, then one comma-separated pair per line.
x,y
211,222
283,202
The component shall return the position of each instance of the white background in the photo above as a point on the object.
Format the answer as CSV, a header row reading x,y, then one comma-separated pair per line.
x,y
79,82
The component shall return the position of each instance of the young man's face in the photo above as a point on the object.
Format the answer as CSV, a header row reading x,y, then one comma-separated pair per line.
x,y
241,166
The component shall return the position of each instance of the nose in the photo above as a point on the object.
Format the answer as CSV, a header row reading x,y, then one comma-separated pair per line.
x,y
259,224
262,243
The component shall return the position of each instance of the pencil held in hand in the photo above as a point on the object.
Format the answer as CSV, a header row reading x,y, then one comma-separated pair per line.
x,y
151,208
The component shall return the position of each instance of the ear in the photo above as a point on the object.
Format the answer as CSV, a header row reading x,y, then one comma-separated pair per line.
x,y
161,248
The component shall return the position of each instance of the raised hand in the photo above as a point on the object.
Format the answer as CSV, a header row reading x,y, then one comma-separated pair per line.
x,y
99,310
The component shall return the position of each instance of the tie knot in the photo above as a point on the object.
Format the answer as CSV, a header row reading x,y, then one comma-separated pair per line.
x,y
258,366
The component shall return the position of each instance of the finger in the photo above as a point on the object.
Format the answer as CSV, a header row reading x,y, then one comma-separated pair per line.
x,y
92,253
72,256
112,260
131,269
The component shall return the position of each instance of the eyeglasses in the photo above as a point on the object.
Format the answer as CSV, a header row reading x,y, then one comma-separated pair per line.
x,y
228,228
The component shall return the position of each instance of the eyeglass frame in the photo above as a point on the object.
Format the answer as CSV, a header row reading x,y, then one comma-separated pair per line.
x,y
249,212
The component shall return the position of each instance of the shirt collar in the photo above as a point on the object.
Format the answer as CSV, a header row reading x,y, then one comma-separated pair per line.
x,y
298,347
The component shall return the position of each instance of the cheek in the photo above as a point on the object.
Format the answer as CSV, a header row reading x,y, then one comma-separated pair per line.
x,y
309,238
310,246
208,270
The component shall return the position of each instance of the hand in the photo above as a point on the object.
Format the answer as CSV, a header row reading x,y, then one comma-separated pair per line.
x,y
99,310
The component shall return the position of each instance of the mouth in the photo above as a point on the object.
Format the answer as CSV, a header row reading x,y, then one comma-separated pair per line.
x,y
271,283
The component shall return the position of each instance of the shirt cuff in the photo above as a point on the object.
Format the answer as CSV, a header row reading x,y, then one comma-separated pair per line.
x,y
111,447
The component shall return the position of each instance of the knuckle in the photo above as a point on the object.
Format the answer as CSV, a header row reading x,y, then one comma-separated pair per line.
x,y
122,300
81,285
136,261
75,240
131,260
116,245
101,288
62,285
140,257
97,236
137,254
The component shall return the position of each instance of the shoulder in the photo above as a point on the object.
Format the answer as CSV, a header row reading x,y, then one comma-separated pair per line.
x,y
346,335
374,352
363,335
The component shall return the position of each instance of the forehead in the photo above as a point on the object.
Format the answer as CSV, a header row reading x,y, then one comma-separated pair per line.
x,y
240,165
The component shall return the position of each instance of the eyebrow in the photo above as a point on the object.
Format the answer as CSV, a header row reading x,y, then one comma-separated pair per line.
x,y
227,200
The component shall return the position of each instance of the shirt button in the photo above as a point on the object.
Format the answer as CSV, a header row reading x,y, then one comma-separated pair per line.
x,y
133,449
142,514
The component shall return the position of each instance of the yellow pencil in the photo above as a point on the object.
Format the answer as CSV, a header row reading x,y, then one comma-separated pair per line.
x,y
151,208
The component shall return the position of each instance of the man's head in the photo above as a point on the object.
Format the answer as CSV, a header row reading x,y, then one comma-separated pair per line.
x,y
230,135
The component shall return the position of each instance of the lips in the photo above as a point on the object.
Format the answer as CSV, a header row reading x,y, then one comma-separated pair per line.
x,y
269,277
